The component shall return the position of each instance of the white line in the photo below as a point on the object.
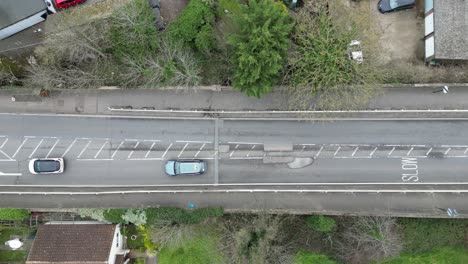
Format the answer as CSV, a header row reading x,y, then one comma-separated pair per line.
x,y
232,152
198,152
182,151
102,147
30,136
131,139
303,147
344,157
318,153
248,153
188,141
246,158
466,150
10,174
245,143
32,153
421,146
429,151
454,146
9,158
215,153
83,150
336,152
372,153
411,149
355,151
447,151
93,159
146,159
464,156
51,149
6,140
94,138
165,152
131,152
148,152
390,153
17,150
307,144
69,147
117,149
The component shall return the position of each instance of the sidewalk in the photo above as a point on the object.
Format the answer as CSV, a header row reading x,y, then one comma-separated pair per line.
x,y
98,101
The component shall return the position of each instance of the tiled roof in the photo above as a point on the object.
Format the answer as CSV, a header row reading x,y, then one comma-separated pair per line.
x,y
72,243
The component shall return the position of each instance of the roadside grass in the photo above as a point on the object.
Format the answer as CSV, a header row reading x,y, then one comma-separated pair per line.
x,y
425,234
446,255
6,232
201,247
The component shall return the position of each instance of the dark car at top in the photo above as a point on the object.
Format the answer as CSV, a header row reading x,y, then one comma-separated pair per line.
x,y
386,6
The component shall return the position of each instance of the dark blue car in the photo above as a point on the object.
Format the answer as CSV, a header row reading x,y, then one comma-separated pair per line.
x,y
386,6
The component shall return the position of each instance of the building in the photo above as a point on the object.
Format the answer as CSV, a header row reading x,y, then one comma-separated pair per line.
x,y
446,30
16,15
77,242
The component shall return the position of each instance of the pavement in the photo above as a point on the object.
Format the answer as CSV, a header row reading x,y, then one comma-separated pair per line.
x,y
210,98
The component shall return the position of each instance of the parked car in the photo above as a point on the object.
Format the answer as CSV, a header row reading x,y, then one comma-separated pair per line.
x,y
185,167
60,4
46,166
386,6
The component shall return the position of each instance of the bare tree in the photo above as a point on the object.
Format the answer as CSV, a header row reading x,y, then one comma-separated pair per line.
x,y
368,238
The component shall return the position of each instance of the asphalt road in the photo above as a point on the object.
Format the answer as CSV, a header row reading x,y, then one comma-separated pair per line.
x,y
132,151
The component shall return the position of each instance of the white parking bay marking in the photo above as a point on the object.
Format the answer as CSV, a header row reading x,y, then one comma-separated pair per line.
x,y
83,150
151,148
102,147
117,149
52,148
248,153
182,151
69,147
198,152
10,174
18,149
4,142
372,153
232,152
131,152
318,153
165,152
34,151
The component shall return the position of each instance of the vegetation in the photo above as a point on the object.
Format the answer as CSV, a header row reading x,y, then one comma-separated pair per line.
x,y
444,255
321,223
13,214
6,232
304,257
425,234
260,46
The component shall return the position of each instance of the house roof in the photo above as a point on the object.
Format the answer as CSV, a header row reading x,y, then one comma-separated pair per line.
x,y
451,29
12,11
72,243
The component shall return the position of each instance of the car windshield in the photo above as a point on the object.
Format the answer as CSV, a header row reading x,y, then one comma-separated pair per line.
x,y
393,4
46,165
177,167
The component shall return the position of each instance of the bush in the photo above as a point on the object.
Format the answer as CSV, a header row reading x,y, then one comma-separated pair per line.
x,y
173,215
13,214
425,234
260,46
194,27
114,215
457,255
135,216
133,32
304,257
321,223
94,213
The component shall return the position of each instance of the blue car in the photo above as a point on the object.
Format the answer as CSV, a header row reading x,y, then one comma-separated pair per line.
x,y
185,167
386,6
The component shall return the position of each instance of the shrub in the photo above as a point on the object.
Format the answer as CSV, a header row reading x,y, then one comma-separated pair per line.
x,y
135,216
194,27
437,256
321,223
173,215
114,215
260,46
94,213
13,214
151,247
305,257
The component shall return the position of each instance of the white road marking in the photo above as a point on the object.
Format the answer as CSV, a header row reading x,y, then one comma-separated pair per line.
x,y
422,146
165,152
372,153
102,147
318,153
466,150
4,142
86,138
117,149
182,151
10,174
93,159
352,155
148,152
146,159
83,150
391,151
447,151
409,152
9,158
22,144
336,152
198,152
30,136
215,153
246,158
429,151
131,152
232,152
131,139
51,149
248,153
32,153
69,147
245,143
189,141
